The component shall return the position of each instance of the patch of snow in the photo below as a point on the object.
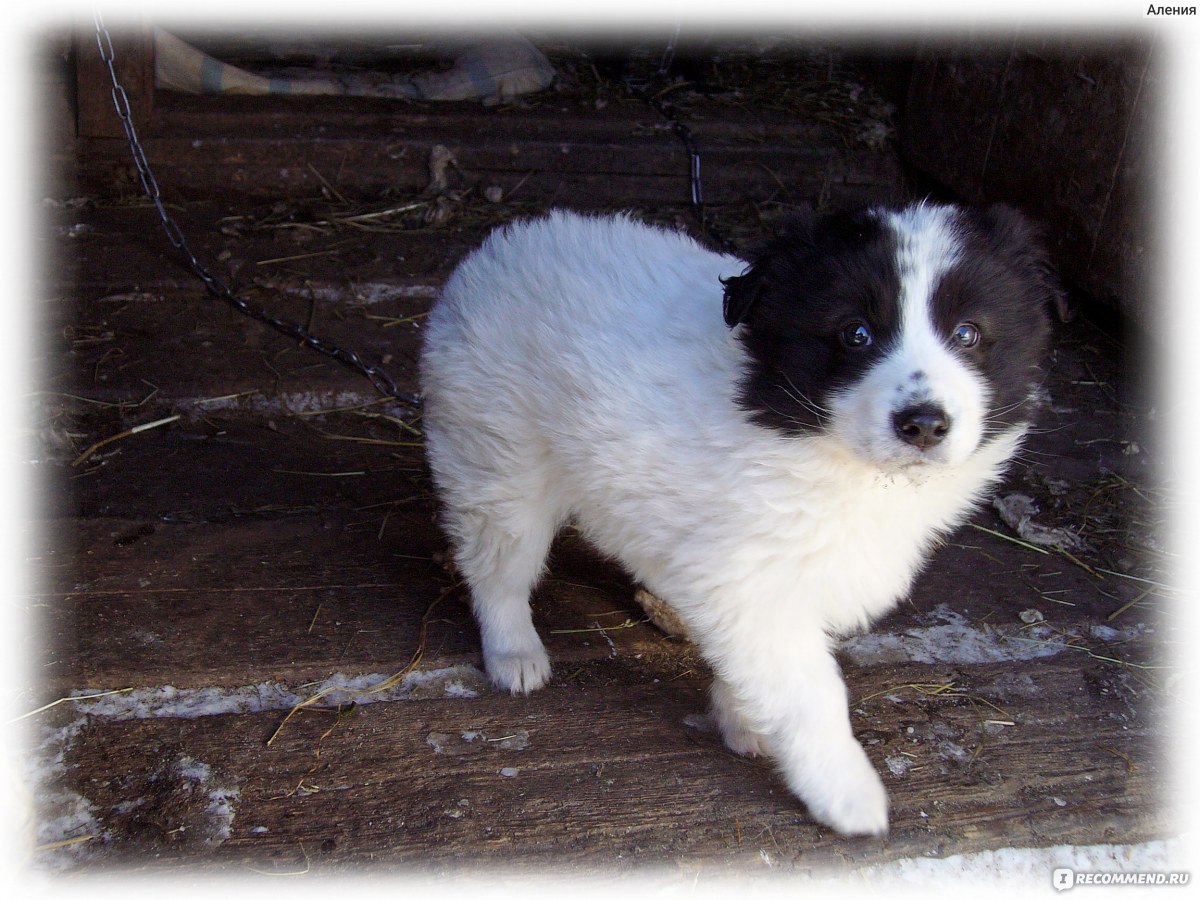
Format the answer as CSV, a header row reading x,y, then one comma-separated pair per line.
x,y
953,639
1013,867
220,812
64,816
168,701
289,402
1105,633
367,292
460,691
476,742
952,751
1018,510
461,682
60,816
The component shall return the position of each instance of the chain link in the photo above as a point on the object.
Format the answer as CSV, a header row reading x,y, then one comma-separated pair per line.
x,y
642,90
378,377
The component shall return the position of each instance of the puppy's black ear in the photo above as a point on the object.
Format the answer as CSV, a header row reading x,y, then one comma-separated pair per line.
x,y
1007,231
1011,235
742,291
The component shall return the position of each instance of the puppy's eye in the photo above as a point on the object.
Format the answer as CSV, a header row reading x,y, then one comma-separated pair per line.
x,y
966,335
856,335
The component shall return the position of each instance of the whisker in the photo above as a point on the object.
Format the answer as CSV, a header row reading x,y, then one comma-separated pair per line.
x,y
804,400
808,399
799,423
993,414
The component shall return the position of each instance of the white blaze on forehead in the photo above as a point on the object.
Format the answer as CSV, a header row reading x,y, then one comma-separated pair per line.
x,y
927,246
920,366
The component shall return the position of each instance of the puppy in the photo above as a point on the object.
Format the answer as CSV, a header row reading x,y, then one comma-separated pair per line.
x,y
772,449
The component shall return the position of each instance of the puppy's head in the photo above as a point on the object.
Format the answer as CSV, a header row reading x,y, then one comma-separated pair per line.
x,y
909,334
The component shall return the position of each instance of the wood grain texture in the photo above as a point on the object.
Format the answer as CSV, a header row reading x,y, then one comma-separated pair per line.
x,y
618,778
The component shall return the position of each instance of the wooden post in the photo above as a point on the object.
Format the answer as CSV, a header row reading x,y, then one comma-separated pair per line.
x,y
133,60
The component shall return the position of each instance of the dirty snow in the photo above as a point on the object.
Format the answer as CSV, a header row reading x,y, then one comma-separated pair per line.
x,y
219,813
64,815
282,402
947,636
167,701
362,292
61,814
1013,867
476,741
1018,510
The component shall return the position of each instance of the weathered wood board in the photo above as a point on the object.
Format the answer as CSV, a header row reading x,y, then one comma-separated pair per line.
x,y
609,778
1062,126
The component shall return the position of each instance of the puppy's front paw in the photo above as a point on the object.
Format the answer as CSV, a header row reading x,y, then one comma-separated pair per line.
x,y
518,673
849,796
743,741
736,730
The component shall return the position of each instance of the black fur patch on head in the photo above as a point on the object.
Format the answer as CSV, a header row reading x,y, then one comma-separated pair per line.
x,y
806,292
1002,284
797,304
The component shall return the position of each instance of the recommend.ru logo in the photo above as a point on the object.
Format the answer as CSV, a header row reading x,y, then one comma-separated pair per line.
x,y
1065,879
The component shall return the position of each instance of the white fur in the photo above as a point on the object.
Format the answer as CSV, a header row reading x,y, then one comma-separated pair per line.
x,y
579,369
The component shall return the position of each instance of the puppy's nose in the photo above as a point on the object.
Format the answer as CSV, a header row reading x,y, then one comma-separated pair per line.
x,y
923,426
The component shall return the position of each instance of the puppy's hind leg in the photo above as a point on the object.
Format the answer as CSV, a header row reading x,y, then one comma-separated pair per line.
x,y
501,551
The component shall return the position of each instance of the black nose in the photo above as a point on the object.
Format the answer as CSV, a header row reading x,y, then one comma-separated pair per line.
x,y
922,426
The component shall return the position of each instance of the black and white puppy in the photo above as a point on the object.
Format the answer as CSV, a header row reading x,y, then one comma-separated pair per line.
x,y
777,473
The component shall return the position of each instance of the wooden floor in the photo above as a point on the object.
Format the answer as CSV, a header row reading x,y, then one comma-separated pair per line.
x,y
202,578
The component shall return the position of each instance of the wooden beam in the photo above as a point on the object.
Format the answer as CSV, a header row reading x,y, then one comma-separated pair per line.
x,y
133,61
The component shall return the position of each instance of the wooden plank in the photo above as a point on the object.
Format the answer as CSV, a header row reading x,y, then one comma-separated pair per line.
x,y
266,554
138,319
302,530
561,150
133,61
188,349
129,603
577,777
563,172
239,605
1060,127
546,117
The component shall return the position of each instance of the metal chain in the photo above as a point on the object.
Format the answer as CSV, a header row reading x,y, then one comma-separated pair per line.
x,y
685,137
215,286
374,373
668,57
642,90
